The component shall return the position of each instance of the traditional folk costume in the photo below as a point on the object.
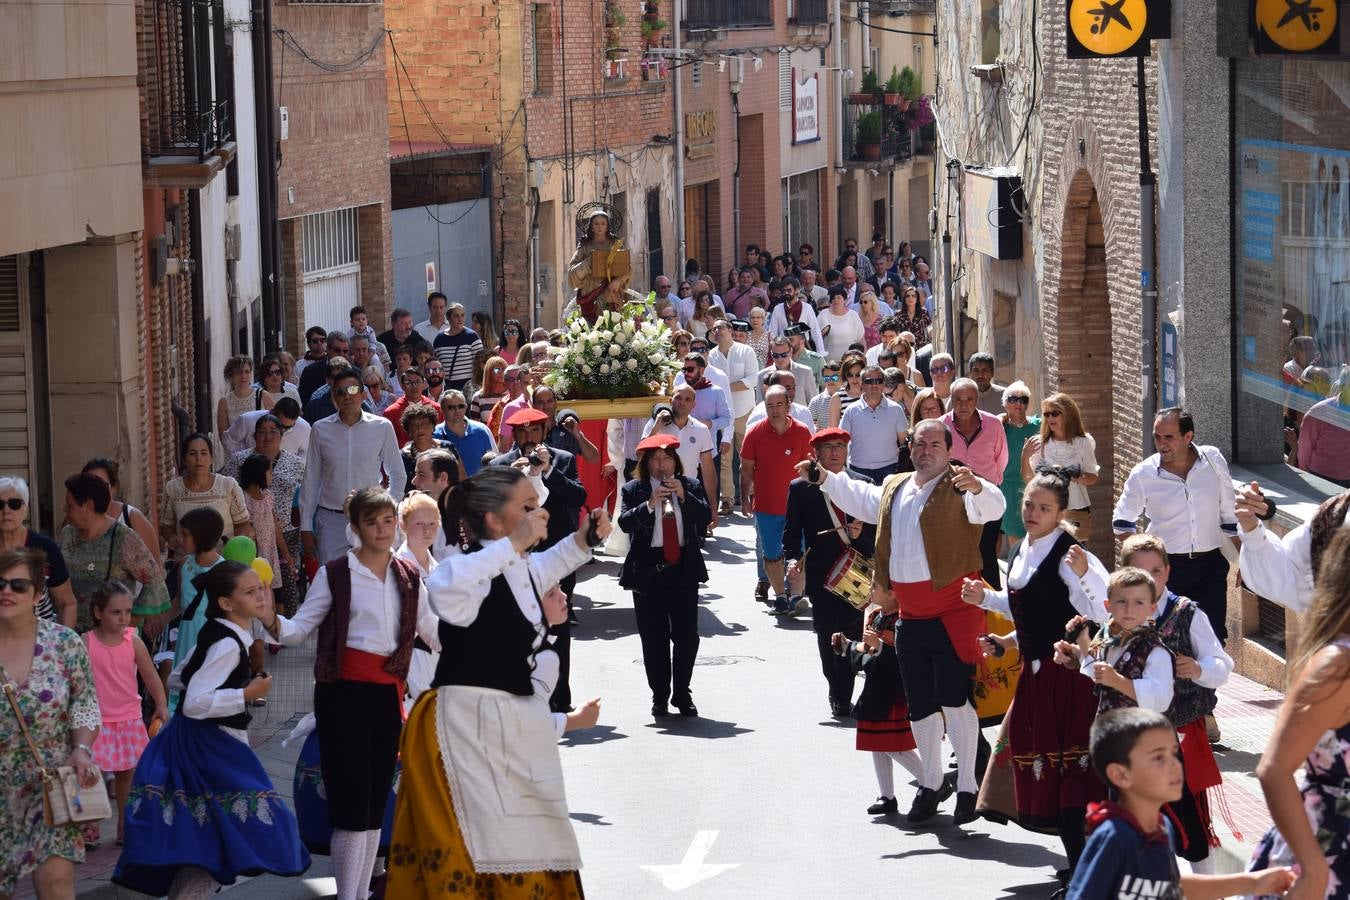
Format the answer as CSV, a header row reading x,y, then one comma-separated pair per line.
x,y
202,810
881,711
928,542
1052,712
1184,633
366,626
482,810
1139,656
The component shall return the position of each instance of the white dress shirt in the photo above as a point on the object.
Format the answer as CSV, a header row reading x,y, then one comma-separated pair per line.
x,y
802,376
1278,568
909,563
778,321
428,331
695,439
1214,662
719,379
459,585
741,364
373,625
346,458
876,432
658,535
1191,515
239,436
1152,691
204,697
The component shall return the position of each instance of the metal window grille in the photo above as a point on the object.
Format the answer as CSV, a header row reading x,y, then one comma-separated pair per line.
x,y
9,294
784,80
330,241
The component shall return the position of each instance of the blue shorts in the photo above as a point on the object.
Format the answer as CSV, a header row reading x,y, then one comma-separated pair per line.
x,y
770,529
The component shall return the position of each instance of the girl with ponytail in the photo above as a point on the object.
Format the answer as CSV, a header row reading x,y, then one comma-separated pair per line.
x,y
1051,580
202,810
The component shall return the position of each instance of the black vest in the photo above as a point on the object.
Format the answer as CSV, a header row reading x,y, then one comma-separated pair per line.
x,y
495,650
1041,607
1190,701
212,632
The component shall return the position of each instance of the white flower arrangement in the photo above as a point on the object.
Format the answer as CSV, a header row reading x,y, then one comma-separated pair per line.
x,y
616,357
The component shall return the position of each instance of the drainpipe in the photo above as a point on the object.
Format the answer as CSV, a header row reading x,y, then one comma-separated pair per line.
x,y
837,103
1148,282
736,73
201,339
267,189
537,307
681,247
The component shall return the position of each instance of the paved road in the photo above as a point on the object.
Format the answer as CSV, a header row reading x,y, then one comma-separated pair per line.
x,y
763,796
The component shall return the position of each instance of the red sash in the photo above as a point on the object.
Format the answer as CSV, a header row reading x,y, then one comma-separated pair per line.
x,y
964,623
1202,770
358,665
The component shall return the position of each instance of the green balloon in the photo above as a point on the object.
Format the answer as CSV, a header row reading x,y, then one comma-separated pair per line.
x,y
240,549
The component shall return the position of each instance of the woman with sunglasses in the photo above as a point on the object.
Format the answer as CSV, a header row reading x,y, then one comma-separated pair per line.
x,y
272,379
1064,443
1017,428
701,322
513,333
377,388
819,406
870,313
57,602
492,390
850,390
913,317
759,337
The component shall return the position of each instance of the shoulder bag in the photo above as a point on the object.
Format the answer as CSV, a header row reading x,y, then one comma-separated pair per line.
x,y
64,799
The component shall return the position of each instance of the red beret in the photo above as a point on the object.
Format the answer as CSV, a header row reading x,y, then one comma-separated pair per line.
x,y
826,435
525,417
659,442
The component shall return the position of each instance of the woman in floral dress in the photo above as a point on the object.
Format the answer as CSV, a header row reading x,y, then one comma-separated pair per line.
x,y
1312,824
45,669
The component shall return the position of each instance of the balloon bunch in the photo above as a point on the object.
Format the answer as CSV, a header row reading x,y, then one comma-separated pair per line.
x,y
242,549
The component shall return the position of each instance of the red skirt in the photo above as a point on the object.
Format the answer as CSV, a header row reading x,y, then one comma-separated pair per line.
x,y
889,734
1048,737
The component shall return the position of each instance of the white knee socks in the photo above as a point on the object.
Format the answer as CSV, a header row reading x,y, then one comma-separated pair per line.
x,y
909,761
353,858
963,727
881,761
928,737
192,883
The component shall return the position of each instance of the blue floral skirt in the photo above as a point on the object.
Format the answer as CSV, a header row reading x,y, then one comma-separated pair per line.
x,y
311,802
200,798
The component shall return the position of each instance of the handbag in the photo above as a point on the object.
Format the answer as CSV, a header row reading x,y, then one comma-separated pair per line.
x,y
64,799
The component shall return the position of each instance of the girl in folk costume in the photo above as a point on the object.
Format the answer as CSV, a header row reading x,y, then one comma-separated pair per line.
x,y
881,711
202,810
488,817
1051,580
1201,667
368,608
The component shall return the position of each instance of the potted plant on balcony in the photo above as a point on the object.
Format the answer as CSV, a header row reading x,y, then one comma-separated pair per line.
x,y
871,87
891,94
614,22
651,30
906,84
869,135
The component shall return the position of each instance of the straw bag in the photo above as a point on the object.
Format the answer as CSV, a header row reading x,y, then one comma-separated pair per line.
x,y
64,799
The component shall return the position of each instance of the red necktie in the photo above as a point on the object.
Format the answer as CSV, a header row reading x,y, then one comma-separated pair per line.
x,y
670,540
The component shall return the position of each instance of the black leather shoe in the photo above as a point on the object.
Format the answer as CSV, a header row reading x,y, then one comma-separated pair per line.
x,y
964,813
948,788
885,806
762,592
660,710
924,807
841,709
686,706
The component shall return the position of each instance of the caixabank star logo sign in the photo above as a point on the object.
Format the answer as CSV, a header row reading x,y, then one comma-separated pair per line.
x,y
1098,28
1296,26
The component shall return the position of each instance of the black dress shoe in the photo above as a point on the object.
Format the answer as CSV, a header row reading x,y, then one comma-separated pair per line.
x,y
660,710
686,706
885,806
924,807
948,788
841,709
964,813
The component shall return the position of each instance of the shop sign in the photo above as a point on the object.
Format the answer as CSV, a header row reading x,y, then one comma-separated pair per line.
x,y
1295,26
1117,27
805,109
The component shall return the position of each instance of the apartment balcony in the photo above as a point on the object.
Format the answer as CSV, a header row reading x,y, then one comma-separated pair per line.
x,y
718,15
809,12
876,134
898,8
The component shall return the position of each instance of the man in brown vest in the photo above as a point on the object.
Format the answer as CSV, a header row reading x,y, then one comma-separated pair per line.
x,y
928,540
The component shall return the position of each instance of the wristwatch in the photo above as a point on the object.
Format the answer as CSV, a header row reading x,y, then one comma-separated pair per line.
x,y
84,747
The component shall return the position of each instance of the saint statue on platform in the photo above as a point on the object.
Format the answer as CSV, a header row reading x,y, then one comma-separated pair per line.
x,y
601,269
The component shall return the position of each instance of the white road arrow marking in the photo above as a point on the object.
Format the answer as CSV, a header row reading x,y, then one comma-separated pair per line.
x,y
692,869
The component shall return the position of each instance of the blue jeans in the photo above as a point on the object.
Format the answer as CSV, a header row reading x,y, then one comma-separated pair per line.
x,y
876,476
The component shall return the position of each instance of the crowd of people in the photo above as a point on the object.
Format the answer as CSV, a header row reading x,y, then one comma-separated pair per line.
x,y
417,504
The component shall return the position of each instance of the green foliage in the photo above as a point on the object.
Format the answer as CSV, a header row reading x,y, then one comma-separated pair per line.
x,y
870,83
869,127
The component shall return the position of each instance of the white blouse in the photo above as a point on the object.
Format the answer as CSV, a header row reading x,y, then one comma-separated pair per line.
x,y
205,698
1081,452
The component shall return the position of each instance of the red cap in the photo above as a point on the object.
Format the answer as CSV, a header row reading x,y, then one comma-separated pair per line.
x,y
825,435
659,442
526,416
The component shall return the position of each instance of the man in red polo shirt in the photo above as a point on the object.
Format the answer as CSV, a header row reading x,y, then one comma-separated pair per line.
x,y
769,457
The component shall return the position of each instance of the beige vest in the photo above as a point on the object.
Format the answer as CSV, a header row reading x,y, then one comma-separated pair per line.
x,y
951,543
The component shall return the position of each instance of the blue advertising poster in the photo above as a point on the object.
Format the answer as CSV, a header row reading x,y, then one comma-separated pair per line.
x,y
1170,379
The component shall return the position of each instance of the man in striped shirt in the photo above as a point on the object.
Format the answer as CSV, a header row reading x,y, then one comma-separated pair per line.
x,y
456,348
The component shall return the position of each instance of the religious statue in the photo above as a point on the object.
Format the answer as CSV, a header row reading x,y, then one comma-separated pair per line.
x,y
600,270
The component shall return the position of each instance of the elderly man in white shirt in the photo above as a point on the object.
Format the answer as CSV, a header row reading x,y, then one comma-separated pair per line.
x,y
294,429
348,450
787,381
780,360
1187,493
741,364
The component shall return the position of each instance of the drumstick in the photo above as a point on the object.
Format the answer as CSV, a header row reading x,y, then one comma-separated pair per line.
x,y
831,530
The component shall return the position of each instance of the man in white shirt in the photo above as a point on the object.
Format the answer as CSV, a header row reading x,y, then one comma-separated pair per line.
x,y
348,450
696,443
741,364
788,382
1282,569
817,292
1187,493
294,430
937,637
877,425
435,322
780,360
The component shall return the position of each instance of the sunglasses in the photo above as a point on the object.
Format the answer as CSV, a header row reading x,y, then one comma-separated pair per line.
x,y
13,503
874,381
780,355
1020,401
829,378
668,316
350,390
853,374
885,356
270,372
17,585
690,370
510,331
942,370
1051,414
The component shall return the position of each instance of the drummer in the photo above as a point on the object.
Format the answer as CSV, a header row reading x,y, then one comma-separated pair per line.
x,y
925,558
829,537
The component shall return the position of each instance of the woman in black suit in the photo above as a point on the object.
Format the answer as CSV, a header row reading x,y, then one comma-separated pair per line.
x,y
665,515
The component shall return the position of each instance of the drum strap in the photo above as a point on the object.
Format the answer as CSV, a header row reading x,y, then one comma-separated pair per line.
x,y
835,515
